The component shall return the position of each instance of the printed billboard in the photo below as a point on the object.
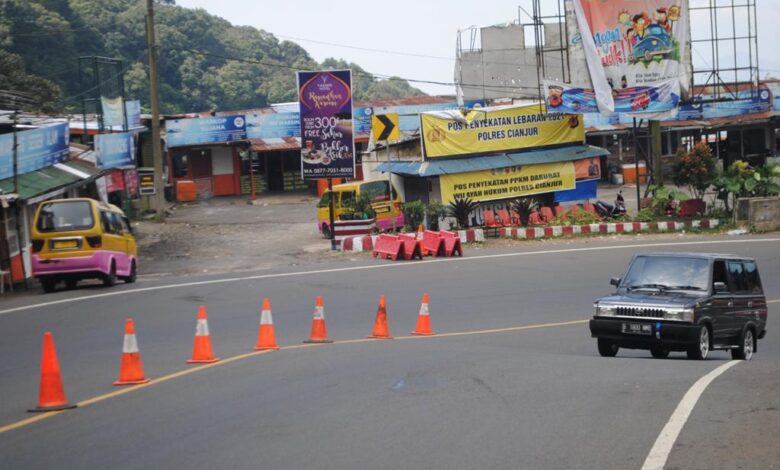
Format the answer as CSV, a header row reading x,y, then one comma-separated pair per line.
x,y
114,150
499,129
633,47
36,149
328,146
273,125
205,130
508,182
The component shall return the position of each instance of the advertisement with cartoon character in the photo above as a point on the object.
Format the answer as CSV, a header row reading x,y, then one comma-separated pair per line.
x,y
637,53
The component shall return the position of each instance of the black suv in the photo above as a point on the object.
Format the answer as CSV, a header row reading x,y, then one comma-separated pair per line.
x,y
692,302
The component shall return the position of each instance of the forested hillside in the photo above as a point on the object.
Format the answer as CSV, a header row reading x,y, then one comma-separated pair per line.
x,y
41,41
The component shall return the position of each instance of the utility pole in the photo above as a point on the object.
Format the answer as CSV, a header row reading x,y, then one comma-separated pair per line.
x,y
159,187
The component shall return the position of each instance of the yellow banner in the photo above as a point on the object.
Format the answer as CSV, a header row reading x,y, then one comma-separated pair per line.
x,y
501,129
507,182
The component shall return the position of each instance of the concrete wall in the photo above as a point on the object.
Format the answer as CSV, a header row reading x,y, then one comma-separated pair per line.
x,y
762,213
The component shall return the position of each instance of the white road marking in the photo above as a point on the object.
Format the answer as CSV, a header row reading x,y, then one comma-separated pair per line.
x,y
377,266
658,455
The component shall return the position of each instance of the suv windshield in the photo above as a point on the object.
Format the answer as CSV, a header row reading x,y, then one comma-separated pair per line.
x,y
668,272
61,216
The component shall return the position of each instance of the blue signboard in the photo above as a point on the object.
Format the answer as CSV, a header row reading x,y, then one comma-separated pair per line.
x,y
36,149
205,130
273,125
133,110
114,150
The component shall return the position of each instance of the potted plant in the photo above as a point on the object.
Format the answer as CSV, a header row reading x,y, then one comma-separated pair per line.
x,y
460,209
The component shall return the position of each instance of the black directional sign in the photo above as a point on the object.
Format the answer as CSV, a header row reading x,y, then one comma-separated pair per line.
x,y
385,127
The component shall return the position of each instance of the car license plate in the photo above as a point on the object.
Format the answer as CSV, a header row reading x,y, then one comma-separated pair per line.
x,y
64,244
637,328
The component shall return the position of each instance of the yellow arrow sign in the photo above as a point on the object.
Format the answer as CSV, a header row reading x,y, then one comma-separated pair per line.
x,y
386,127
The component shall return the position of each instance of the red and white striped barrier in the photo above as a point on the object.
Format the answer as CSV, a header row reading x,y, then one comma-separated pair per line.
x,y
367,243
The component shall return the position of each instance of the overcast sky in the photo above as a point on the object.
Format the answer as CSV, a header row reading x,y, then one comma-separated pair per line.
x,y
418,37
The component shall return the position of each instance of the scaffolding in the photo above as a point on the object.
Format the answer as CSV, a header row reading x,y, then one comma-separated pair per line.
x,y
724,42
100,77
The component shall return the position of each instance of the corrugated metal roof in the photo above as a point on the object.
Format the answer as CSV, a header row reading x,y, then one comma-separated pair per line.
x,y
50,178
465,165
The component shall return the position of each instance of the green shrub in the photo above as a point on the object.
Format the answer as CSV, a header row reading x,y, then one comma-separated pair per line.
x,y
436,211
414,213
460,210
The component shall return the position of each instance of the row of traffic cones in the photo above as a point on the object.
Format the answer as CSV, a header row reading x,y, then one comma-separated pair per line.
x,y
51,394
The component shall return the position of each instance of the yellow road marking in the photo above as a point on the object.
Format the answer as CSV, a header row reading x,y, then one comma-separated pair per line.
x,y
773,301
182,373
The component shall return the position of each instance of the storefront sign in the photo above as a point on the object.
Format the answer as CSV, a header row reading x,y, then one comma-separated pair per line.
x,y
206,130
273,125
636,44
115,181
131,182
115,150
328,147
490,130
36,149
507,182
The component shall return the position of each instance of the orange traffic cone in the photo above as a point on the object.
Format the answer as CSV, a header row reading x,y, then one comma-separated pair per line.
x,y
51,394
266,337
201,348
381,330
424,319
319,333
131,370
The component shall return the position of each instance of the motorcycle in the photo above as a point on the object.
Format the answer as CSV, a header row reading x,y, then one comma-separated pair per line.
x,y
612,211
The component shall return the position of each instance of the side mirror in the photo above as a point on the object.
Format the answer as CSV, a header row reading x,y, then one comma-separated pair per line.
x,y
719,287
615,281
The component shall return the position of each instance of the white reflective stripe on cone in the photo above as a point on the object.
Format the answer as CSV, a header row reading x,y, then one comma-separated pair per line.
x,y
130,345
265,318
319,313
202,329
424,309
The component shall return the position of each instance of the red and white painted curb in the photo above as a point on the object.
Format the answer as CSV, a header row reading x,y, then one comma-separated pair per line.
x,y
366,243
604,228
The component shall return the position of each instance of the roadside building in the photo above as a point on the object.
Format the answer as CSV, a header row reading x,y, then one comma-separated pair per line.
x,y
47,166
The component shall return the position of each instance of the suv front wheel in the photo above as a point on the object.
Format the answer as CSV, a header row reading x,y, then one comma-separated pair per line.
x,y
607,348
700,350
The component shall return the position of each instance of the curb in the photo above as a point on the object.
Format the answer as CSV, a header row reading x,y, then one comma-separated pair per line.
x,y
366,243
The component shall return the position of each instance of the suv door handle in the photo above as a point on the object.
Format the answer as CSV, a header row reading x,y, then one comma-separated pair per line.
x,y
731,303
750,304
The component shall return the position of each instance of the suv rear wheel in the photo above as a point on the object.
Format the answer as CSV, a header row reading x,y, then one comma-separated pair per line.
x,y
607,348
700,350
659,352
110,278
745,350
48,284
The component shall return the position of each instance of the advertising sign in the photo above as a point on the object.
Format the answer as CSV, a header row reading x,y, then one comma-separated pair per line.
x,y
328,147
131,182
508,182
133,110
629,44
657,98
36,149
114,150
273,125
205,130
450,133
113,111
146,182
115,181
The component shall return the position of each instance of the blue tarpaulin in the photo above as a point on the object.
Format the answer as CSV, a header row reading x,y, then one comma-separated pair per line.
x,y
582,191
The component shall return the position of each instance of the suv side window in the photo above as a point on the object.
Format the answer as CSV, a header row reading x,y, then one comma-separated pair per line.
x,y
737,281
346,198
751,277
105,222
719,273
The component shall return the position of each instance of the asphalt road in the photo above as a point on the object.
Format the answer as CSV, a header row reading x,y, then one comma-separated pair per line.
x,y
517,384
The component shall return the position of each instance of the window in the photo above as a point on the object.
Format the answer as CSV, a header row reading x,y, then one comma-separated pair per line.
x,y
180,166
126,225
116,223
752,280
325,200
668,271
61,216
376,191
737,279
719,273
347,198
105,222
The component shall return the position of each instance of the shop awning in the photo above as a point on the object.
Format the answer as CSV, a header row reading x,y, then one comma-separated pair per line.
x,y
488,162
51,179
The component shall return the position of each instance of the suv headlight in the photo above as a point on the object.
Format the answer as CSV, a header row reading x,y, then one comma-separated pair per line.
x,y
683,314
605,311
